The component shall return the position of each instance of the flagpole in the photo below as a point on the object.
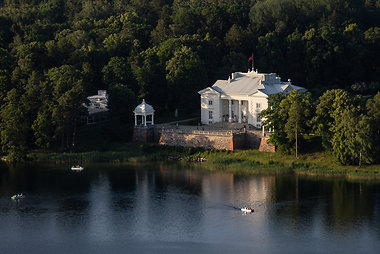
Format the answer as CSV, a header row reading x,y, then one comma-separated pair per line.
x,y
252,63
251,59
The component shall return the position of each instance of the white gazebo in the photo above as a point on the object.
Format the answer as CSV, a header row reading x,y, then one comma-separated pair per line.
x,y
144,110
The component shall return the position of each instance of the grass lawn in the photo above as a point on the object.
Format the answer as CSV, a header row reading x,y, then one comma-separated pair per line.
x,y
239,161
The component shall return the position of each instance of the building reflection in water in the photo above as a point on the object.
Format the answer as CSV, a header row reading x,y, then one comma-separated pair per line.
x,y
100,219
170,203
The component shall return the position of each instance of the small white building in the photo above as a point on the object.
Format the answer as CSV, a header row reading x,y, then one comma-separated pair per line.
x,y
98,107
241,98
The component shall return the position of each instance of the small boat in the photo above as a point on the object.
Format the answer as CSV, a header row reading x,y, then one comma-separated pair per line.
x,y
77,168
246,210
18,196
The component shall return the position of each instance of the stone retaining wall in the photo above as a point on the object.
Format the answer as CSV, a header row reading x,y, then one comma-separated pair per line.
x,y
209,139
265,146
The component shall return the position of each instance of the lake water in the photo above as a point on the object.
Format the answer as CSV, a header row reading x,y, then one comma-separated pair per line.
x,y
169,209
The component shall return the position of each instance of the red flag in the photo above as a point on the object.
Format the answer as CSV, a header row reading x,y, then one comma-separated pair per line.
x,y
251,58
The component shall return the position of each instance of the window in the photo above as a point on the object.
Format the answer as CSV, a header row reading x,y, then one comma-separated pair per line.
x,y
258,105
258,120
210,102
232,102
210,115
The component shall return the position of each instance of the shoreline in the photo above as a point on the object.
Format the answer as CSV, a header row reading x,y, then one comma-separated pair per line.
x,y
239,161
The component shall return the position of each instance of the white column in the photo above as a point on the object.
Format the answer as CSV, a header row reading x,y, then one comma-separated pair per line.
x,y
135,120
152,119
144,119
239,111
229,111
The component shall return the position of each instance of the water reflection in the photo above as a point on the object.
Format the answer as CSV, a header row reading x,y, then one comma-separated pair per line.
x,y
166,208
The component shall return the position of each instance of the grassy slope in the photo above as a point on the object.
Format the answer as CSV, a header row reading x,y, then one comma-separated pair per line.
x,y
92,147
251,161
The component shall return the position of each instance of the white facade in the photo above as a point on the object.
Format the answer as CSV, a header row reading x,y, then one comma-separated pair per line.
x,y
241,98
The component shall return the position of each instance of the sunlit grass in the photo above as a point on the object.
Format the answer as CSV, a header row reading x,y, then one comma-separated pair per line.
x,y
247,161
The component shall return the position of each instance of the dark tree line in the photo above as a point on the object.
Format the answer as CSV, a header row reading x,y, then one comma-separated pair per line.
x,y
53,53
348,125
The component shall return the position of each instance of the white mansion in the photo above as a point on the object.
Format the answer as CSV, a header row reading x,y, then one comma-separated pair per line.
x,y
241,98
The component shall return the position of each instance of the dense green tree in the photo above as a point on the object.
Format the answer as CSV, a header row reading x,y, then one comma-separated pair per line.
x,y
5,32
299,117
328,113
52,11
234,62
117,44
13,127
269,48
238,39
372,45
275,15
274,118
295,58
150,75
6,66
185,75
186,17
30,57
40,32
373,107
289,116
163,31
130,27
95,9
4,84
122,102
69,95
118,71
352,141
43,129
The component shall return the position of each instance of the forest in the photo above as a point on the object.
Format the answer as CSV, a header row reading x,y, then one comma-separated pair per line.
x,y
54,53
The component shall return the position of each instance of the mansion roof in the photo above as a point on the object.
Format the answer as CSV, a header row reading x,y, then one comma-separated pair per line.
x,y
250,83
98,103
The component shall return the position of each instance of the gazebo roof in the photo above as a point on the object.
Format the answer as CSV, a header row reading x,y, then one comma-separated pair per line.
x,y
144,108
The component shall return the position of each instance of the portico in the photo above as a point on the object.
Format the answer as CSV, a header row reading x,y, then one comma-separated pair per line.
x,y
234,110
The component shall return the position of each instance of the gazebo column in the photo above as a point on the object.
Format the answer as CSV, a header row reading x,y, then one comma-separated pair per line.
x,y
144,119
152,119
239,111
229,111
135,120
